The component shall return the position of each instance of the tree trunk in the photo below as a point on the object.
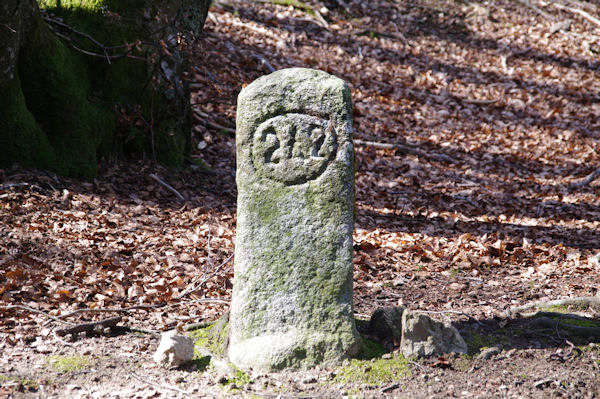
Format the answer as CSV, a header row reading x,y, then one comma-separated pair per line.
x,y
113,84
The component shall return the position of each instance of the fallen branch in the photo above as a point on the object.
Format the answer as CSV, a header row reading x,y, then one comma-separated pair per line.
x,y
168,186
586,180
406,149
202,117
589,302
582,13
95,326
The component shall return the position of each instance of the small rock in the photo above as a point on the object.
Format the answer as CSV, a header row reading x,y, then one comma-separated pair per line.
x,y
488,353
386,324
423,336
174,349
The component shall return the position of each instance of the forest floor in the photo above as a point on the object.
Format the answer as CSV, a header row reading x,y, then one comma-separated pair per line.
x,y
481,205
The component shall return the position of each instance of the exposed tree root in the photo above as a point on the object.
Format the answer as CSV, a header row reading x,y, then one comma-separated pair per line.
x,y
592,302
547,322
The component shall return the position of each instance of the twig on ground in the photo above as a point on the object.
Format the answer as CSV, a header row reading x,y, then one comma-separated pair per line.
x,y
418,366
202,117
11,185
582,13
390,387
279,395
199,300
406,149
590,302
167,186
307,8
94,326
194,287
537,9
27,308
475,101
110,310
263,61
146,380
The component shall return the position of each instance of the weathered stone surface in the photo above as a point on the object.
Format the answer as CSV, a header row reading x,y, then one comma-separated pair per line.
x,y
292,296
489,353
386,325
423,336
174,349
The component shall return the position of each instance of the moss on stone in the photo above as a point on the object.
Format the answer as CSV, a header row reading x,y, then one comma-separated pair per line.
x,y
213,337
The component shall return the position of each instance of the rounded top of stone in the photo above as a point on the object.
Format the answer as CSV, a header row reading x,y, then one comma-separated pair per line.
x,y
304,77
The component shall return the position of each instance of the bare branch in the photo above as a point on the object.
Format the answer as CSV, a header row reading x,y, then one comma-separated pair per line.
x,y
167,186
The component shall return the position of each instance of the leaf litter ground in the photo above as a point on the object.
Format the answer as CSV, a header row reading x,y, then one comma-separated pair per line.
x,y
492,111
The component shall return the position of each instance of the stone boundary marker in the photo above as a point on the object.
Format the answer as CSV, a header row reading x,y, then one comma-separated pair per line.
x,y
292,294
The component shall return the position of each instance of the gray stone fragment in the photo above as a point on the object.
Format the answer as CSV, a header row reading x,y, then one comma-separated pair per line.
x,y
386,324
292,295
174,349
488,353
423,336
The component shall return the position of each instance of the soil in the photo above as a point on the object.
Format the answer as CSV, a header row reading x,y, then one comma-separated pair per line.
x,y
481,206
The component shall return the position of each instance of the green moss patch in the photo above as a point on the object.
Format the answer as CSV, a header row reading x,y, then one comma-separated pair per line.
x,y
477,342
213,337
65,364
373,372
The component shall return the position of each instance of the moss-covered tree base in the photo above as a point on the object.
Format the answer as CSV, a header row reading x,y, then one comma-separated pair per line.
x,y
64,106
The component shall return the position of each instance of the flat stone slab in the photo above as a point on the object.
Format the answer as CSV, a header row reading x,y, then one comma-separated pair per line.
x,y
292,295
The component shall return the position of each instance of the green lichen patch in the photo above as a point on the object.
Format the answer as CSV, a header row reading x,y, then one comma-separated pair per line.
x,y
373,372
65,364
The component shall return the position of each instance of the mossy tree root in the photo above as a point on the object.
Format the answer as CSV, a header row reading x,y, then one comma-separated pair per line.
x,y
592,302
